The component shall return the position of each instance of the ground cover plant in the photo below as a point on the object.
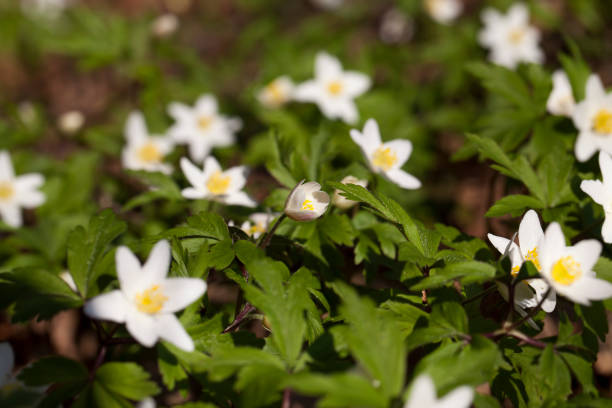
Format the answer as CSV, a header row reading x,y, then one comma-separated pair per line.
x,y
263,203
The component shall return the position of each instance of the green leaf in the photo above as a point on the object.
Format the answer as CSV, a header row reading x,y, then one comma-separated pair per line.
x,y
337,228
467,272
514,205
221,255
127,380
162,187
51,370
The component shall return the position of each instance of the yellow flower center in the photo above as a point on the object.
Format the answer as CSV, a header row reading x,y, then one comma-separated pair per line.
x,y
566,270
204,122
432,5
334,87
276,93
149,153
531,256
307,206
218,183
516,36
255,228
384,158
602,123
6,190
151,300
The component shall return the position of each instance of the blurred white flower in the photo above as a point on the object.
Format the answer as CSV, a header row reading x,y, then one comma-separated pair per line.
x,y
561,99
423,395
27,113
593,118
306,201
71,122
147,403
7,362
48,9
601,193
443,11
147,300
328,4
332,89
276,93
17,191
257,224
395,27
165,25
342,202
569,270
202,127
144,151
212,183
386,158
509,37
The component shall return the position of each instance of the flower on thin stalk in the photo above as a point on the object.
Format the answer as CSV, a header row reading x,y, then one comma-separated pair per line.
x,y
528,293
509,37
212,183
257,224
277,93
306,201
342,202
17,191
386,158
601,193
561,99
423,395
443,11
202,127
332,89
147,299
569,269
143,151
593,118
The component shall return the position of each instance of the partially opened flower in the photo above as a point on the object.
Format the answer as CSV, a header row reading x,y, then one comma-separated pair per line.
x,y
593,118
561,99
147,299
306,202
601,193
342,202
143,151
530,293
276,93
332,89
386,158
202,127
257,224
423,395
569,270
509,37
212,183
443,11
17,191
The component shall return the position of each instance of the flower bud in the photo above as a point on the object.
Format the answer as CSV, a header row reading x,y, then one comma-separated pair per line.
x,y
71,122
342,202
306,202
165,25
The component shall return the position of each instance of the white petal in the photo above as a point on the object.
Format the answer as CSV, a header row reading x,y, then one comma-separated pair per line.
x,y
238,177
346,110
193,194
595,189
181,292
403,179
605,165
31,199
327,66
594,87
552,246
6,166
156,267
142,327
460,397
239,198
11,215
129,271
136,128
199,148
541,287
402,149
180,112
206,105
211,166
29,181
422,393
592,288
369,140
586,253
606,229
7,362
110,306
192,173
309,91
355,83
170,329
530,231
148,402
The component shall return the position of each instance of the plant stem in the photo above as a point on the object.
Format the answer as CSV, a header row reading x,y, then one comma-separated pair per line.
x,y
248,308
286,398
530,314
264,243
478,296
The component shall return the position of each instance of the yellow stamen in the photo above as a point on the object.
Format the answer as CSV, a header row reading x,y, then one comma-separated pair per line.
x,y
149,153
204,122
602,123
516,36
256,228
6,190
334,87
151,300
276,93
218,183
307,205
566,270
384,158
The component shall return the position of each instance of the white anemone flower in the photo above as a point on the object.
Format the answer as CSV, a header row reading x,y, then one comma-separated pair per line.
x,y
561,99
569,269
342,202
509,37
306,201
386,158
212,183
17,191
202,127
443,11
529,293
143,151
257,224
593,118
601,193
332,89
147,299
423,395
277,93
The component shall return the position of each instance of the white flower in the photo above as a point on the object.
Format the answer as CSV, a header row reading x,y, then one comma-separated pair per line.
x,y
49,9
395,27
509,37
333,89
306,201
165,25
530,294
71,122
593,119
144,151
443,11
569,269
328,4
386,158
147,300
601,193
17,192
423,395
276,93
257,224
147,403
212,183
342,202
202,127
7,361
561,99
